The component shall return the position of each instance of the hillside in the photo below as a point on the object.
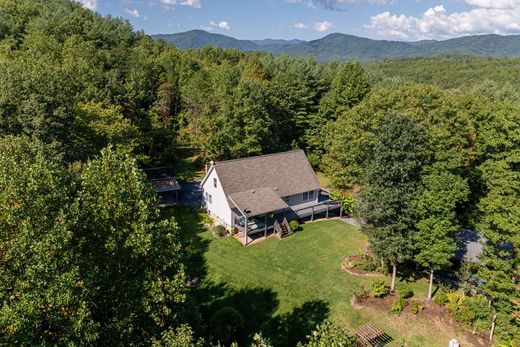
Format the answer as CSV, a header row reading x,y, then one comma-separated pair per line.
x,y
450,72
341,46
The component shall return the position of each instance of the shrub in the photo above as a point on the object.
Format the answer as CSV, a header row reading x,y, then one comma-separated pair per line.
x,y
404,290
362,295
226,324
379,288
440,297
417,307
398,306
329,334
219,230
295,226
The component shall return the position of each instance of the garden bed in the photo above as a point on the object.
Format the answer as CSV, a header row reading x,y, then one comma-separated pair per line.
x,y
350,265
433,313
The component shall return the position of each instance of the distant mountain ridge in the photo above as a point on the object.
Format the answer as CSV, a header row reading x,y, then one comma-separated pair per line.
x,y
342,46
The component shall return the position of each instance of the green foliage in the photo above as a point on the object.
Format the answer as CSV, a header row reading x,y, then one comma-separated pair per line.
x,y
260,341
398,306
41,286
347,199
441,297
379,288
404,290
448,72
226,324
219,230
417,307
328,335
295,226
470,310
393,175
179,337
120,237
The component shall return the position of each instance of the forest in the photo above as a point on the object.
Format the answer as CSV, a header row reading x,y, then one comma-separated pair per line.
x,y
425,147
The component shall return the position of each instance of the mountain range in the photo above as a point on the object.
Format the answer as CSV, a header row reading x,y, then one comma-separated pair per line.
x,y
342,46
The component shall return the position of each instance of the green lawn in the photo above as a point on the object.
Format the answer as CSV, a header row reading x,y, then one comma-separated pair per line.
x,y
285,287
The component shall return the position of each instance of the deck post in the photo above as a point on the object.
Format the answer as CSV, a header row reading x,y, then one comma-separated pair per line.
x,y
265,226
245,233
312,213
327,215
341,210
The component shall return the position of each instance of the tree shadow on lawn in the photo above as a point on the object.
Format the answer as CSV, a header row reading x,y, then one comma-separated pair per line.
x,y
257,306
192,236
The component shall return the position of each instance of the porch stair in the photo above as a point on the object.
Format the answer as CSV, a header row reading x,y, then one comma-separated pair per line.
x,y
282,229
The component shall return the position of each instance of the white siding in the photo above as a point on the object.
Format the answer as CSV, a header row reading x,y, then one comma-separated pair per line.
x,y
298,199
219,206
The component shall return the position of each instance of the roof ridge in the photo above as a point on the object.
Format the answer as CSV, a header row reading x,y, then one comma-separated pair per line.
x,y
259,156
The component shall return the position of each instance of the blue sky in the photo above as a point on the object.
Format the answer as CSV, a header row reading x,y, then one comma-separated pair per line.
x,y
311,19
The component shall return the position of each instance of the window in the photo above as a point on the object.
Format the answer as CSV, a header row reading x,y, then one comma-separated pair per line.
x,y
215,182
308,196
210,199
286,199
206,196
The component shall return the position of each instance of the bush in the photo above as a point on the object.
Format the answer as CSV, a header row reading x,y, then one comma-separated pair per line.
x,y
219,230
362,295
417,307
404,290
226,324
441,297
329,334
379,288
398,306
295,226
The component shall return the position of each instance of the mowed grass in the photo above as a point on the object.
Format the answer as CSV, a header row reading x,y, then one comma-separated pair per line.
x,y
285,287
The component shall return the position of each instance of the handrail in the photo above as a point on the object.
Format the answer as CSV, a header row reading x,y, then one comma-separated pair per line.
x,y
278,227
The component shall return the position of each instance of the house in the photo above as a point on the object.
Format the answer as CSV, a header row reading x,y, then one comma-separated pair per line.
x,y
258,195
166,186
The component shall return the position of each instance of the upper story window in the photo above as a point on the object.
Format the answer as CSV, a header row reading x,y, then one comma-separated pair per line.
x,y
286,199
311,195
215,182
305,196
210,199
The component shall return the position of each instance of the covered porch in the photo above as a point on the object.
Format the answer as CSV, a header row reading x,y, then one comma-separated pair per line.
x,y
263,224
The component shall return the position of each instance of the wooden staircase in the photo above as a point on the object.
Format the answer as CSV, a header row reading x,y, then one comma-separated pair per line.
x,y
282,229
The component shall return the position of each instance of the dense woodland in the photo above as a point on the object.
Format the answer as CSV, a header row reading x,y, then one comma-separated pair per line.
x,y
85,258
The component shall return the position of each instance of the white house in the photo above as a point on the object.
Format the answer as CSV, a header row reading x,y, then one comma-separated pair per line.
x,y
266,190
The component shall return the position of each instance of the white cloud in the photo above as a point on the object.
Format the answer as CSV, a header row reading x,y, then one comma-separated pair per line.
x,y
322,26
90,4
222,24
336,5
133,13
498,17
191,3
299,26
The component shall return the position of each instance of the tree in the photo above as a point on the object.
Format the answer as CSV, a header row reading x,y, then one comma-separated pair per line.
x,y
393,177
441,192
41,289
95,127
348,88
130,259
328,334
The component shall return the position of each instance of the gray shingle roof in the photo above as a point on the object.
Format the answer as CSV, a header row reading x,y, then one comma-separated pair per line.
x,y
285,173
258,201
